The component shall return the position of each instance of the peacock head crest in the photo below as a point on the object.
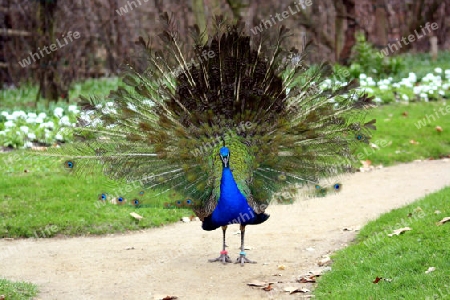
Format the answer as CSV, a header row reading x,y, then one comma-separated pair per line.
x,y
224,154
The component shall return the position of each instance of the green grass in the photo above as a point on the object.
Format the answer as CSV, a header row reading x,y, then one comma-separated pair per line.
x,y
395,131
401,260
46,200
17,290
25,97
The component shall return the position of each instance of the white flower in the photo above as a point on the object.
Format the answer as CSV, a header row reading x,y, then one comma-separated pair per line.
x,y
31,136
47,125
64,121
39,120
405,97
438,70
42,115
151,103
32,115
362,76
4,113
28,145
10,117
377,100
59,137
2,132
19,113
73,108
131,106
9,124
58,112
24,129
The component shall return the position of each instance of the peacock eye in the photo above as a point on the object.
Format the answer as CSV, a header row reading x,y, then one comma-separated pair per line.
x,y
141,193
337,186
102,197
189,202
120,199
68,164
135,202
318,187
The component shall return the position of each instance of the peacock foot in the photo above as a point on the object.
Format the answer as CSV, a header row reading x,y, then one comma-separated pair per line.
x,y
242,259
224,258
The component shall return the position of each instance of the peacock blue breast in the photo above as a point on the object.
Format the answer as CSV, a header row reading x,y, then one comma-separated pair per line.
x,y
232,207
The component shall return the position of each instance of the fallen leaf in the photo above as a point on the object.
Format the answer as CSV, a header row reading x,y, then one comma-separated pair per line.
x,y
439,129
399,231
293,290
2,297
257,283
413,142
366,163
281,267
129,248
170,298
443,221
430,269
437,212
307,279
136,216
377,279
326,261
405,113
418,209
268,288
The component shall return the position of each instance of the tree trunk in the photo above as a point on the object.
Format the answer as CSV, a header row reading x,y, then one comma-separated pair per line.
x,y
350,38
339,28
47,70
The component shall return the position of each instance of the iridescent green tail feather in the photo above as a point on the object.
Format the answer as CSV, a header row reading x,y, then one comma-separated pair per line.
x,y
284,123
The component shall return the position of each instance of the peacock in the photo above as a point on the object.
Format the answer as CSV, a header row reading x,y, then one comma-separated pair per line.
x,y
228,124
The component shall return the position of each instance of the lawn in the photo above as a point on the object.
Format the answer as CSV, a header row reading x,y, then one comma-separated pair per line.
x,y
17,290
40,198
407,132
401,261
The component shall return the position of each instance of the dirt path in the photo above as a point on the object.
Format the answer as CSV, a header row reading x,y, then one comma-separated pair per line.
x,y
173,260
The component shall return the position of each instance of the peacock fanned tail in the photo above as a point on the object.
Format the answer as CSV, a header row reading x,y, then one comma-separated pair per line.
x,y
284,124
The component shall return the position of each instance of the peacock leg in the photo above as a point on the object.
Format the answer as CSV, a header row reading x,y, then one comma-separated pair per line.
x,y
242,259
224,258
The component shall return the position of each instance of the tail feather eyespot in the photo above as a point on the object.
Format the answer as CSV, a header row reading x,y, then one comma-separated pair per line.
x,y
69,165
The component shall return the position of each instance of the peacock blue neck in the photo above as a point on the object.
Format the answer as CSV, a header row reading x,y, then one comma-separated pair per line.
x,y
232,206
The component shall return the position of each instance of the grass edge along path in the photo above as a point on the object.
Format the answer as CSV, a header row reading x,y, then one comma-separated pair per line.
x,y
379,266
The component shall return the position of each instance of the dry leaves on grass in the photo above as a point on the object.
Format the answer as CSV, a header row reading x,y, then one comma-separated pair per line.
x,y
443,221
378,279
399,231
430,269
